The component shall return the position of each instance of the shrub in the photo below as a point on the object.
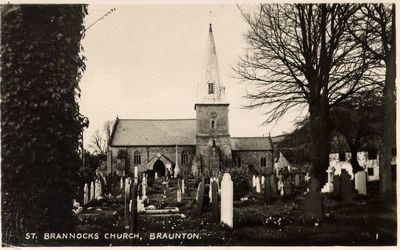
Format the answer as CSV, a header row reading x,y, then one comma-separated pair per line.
x,y
241,185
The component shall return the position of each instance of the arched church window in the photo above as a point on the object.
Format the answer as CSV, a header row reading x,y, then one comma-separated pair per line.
x,y
184,157
137,159
210,88
263,162
212,124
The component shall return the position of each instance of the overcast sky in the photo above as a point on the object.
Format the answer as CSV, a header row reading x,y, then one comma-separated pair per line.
x,y
145,61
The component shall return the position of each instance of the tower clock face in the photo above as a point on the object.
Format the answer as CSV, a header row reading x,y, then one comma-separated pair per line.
x,y
213,115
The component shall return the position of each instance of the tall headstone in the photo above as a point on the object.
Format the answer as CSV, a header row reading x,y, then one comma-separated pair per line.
x,y
346,187
280,187
267,190
92,196
178,192
336,186
227,200
183,186
274,186
127,203
313,202
254,181
360,182
258,184
156,176
85,194
297,180
215,200
287,187
144,187
121,184
210,190
262,181
200,196
134,199
136,174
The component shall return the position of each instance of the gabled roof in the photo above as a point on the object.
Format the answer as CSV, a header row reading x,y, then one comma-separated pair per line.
x,y
157,132
251,143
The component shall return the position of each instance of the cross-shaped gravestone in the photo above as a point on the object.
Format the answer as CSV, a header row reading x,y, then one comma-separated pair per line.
x,y
313,203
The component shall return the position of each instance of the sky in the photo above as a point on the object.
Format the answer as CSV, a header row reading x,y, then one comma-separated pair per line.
x,y
145,61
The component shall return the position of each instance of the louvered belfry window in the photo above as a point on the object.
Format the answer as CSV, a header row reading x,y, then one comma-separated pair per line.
x,y
137,158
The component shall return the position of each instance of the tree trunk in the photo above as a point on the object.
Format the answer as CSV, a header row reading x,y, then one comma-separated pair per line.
x,y
319,140
353,160
389,120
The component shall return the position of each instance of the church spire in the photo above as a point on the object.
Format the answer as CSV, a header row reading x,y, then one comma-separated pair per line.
x,y
210,89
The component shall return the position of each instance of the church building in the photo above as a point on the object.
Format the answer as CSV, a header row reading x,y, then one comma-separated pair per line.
x,y
202,145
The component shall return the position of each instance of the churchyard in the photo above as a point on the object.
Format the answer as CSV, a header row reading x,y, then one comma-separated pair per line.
x,y
186,211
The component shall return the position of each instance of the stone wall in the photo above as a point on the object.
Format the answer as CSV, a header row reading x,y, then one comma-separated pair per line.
x,y
252,158
148,152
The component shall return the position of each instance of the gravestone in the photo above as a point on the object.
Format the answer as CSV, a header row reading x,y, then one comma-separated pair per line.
x,y
274,187
254,181
346,187
262,181
91,191
144,186
258,184
267,191
360,182
336,186
280,187
313,202
227,200
297,180
210,190
156,176
127,203
183,186
287,187
85,194
178,192
121,184
215,200
200,196
134,198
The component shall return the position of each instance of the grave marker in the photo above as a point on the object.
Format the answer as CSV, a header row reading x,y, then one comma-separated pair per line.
x,y
200,196
297,180
85,194
179,192
346,187
127,203
287,187
91,191
215,200
336,186
267,190
258,184
313,203
274,187
360,182
227,200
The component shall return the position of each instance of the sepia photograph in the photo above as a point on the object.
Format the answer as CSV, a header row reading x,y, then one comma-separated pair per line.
x,y
198,124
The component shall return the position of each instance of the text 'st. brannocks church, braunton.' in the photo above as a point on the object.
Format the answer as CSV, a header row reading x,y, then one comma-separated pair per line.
x,y
196,146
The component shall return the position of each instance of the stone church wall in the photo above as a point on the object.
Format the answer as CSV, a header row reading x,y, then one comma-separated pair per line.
x,y
252,158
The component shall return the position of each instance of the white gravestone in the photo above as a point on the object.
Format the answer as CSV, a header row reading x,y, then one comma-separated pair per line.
x,y
178,195
91,191
258,184
183,186
155,176
328,187
360,182
144,182
227,200
121,184
136,175
254,181
85,194
280,185
262,180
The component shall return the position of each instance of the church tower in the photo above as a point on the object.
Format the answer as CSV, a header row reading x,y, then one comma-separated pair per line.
x,y
213,146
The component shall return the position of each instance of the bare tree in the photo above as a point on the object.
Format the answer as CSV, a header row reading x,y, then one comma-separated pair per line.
x,y
300,55
374,29
99,141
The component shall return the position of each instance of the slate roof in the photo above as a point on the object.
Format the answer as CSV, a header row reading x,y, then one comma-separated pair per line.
x,y
156,132
250,143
